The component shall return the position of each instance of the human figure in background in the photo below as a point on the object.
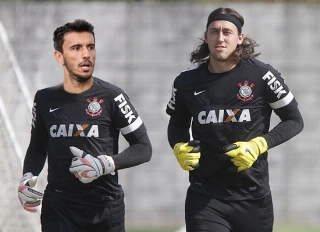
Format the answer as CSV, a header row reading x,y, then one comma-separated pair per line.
x,y
76,125
228,98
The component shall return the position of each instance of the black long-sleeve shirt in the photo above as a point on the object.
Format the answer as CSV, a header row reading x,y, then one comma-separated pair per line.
x,y
223,108
91,121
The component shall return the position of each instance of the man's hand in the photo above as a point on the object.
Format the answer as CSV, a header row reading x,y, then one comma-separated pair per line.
x,y
88,168
246,153
29,197
188,154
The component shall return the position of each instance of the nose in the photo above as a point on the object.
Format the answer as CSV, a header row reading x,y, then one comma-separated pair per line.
x,y
85,53
220,37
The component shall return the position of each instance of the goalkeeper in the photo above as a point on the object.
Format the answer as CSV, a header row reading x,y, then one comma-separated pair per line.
x,y
76,125
228,99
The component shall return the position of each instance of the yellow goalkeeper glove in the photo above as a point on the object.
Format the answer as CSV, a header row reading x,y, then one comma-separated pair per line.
x,y
247,153
188,154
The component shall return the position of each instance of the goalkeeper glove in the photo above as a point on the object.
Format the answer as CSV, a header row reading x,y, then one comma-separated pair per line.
x,y
28,195
247,153
188,154
88,168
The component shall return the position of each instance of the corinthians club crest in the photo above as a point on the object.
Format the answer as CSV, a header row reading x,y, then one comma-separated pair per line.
x,y
94,108
245,91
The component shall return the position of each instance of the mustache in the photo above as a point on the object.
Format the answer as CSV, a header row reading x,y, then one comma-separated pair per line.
x,y
86,62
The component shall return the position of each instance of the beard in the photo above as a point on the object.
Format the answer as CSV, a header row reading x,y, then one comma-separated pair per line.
x,y
81,78
75,75
224,58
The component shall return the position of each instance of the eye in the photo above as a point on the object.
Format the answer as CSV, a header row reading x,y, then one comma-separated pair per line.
x,y
91,47
227,32
75,48
213,31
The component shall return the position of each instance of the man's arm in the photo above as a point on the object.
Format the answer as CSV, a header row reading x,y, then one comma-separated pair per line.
x,y
34,160
177,134
37,150
246,153
139,151
285,106
87,168
291,124
179,125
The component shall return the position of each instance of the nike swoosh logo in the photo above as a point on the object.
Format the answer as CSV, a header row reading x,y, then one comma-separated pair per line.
x,y
197,93
51,110
247,150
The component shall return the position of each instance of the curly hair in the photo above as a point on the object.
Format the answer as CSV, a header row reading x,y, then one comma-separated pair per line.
x,y
79,25
243,51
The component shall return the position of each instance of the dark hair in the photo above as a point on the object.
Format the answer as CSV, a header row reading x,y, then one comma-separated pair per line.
x,y
243,51
78,25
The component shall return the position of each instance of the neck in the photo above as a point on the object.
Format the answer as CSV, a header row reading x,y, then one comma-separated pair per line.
x,y
215,66
76,87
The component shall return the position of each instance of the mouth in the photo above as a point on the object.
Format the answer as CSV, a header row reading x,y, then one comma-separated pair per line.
x,y
86,66
220,48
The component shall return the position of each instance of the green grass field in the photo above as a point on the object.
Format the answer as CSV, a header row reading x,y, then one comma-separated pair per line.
x,y
297,228
277,228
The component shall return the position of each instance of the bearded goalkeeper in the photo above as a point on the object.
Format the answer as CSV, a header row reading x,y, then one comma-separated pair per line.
x,y
228,98
76,125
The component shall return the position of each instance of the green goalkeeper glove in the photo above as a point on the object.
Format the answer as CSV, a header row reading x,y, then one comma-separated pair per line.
x,y
246,153
188,154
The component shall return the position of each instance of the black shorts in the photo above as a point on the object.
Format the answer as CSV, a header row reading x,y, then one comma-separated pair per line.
x,y
61,215
205,214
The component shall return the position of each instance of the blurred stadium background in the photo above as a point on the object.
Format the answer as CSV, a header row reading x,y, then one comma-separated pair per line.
x,y
141,47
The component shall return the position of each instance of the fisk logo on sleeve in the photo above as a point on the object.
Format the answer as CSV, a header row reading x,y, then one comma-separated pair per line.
x,y
172,101
125,108
274,84
34,115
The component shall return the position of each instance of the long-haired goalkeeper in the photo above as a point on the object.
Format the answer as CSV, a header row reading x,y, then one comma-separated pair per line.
x,y
229,96
76,125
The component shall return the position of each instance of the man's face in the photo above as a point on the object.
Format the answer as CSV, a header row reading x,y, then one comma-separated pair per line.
x,y
222,38
79,55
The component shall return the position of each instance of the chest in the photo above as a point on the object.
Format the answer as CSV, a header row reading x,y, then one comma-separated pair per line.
x,y
234,98
235,90
80,116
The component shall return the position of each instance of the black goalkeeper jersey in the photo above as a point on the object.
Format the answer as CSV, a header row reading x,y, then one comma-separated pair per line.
x,y
225,108
90,121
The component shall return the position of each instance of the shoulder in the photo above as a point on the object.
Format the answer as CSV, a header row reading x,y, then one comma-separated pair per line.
x,y
258,65
262,69
188,75
106,86
46,92
189,71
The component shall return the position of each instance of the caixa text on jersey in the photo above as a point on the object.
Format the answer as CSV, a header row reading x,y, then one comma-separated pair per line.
x,y
74,130
224,115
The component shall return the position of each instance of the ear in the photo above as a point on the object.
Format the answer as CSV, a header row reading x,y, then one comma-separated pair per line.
x,y
205,37
240,38
59,57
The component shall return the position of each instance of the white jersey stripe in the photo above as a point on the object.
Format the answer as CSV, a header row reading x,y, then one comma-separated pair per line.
x,y
283,102
132,127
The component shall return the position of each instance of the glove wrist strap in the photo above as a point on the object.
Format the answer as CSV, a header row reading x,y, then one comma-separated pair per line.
x,y
261,144
107,164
